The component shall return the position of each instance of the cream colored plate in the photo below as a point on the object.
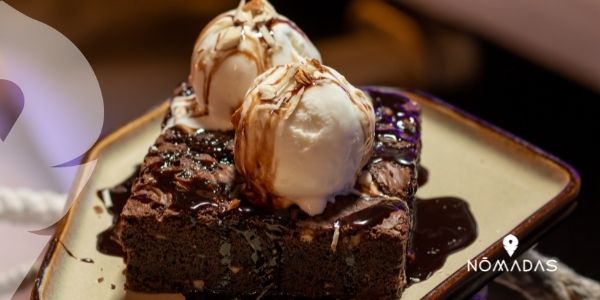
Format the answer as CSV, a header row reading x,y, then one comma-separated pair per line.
x,y
510,187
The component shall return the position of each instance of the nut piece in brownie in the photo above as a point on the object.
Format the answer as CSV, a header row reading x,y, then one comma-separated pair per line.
x,y
188,228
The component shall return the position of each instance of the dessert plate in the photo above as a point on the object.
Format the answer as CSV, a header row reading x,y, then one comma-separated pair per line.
x,y
510,185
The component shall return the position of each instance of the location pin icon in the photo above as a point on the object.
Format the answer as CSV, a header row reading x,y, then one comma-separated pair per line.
x,y
510,244
11,106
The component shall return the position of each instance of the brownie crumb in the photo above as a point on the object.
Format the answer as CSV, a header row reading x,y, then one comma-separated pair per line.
x,y
98,209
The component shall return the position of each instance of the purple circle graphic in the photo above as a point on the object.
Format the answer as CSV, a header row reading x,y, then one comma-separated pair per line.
x,y
12,102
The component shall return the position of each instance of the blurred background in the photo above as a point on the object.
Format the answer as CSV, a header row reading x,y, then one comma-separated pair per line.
x,y
531,68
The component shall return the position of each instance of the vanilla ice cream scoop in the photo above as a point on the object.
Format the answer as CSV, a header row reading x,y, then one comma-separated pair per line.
x,y
231,51
303,133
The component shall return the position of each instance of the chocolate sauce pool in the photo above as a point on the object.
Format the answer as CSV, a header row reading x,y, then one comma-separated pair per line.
x,y
443,225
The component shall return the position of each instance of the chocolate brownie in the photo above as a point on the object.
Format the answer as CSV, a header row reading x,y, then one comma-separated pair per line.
x,y
188,228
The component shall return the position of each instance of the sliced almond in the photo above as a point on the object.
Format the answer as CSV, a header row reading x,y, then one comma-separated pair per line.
x,y
229,38
266,34
266,92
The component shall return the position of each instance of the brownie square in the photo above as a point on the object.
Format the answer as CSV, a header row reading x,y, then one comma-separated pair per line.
x,y
188,228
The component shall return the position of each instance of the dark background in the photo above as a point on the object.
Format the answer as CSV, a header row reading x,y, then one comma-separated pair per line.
x,y
140,51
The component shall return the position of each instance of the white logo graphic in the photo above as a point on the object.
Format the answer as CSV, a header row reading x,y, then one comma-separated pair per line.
x,y
521,264
510,244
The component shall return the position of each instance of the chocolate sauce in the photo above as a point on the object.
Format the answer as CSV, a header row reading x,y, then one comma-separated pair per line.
x,y
114,200
370,216
443,225
397,128
422,175
274,21
70,253
194,170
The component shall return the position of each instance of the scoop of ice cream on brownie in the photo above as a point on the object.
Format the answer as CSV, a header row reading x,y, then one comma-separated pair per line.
x,y
231,51
302,135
